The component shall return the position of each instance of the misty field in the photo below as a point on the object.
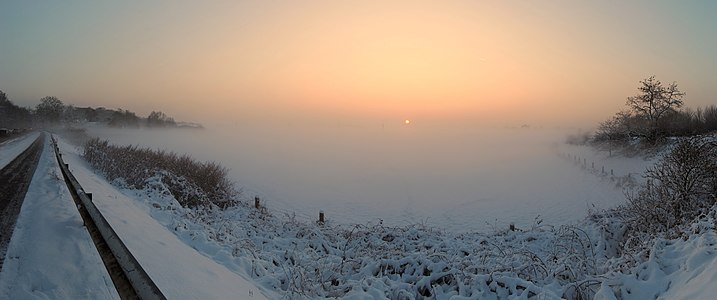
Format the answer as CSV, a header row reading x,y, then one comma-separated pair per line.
x,y
453,178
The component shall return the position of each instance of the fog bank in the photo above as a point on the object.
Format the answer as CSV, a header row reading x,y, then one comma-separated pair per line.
x,y
451,177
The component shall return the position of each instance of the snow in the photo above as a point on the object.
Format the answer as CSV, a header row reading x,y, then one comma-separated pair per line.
x,y
12,148
51,255
458,179
177,269
681,268
246,253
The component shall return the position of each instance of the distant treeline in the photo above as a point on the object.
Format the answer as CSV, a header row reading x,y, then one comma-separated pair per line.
x,y
655,113
52,111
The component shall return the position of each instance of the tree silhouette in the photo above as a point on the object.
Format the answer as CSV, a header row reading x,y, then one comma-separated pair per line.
x,y
11,115
50,109
654,99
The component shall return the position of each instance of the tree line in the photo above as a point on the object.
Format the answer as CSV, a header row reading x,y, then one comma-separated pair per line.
x,y
52,111
654,113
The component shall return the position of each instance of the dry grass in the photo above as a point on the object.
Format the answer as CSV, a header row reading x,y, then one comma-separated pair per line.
x,y
191,182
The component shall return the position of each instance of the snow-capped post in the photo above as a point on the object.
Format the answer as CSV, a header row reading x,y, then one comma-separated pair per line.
x,y
321,217
257,203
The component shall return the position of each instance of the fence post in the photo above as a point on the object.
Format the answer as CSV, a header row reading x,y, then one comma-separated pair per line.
x,y
257,203
321,217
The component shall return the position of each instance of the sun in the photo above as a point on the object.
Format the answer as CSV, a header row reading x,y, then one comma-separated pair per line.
x,y
407,121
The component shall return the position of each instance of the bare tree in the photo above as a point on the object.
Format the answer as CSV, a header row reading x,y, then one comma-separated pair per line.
x,y
158,118
50,109
655,100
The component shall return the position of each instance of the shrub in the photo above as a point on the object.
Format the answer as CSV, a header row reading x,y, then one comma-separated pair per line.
x,y
679,188
191,182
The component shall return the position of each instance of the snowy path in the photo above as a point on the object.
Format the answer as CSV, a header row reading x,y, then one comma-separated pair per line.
x,y
50,255
178,270
12,148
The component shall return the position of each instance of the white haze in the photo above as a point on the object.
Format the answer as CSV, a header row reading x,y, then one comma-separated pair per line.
x,y
456,179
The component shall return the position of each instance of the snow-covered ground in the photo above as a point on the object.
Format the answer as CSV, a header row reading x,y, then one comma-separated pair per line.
x,y
681,268
177,269
458,179
243,252
373,260
51,255
12,148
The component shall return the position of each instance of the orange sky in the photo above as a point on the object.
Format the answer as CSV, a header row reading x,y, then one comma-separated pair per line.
x,y
503,62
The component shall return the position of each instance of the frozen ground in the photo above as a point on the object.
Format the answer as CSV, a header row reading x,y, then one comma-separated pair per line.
x,y
194,253
375,261
51,255
682,268
12,148
455,179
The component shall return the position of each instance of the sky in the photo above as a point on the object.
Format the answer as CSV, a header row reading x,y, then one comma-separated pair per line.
x,y
548,63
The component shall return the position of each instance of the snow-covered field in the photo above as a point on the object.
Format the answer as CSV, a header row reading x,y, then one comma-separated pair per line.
x,y
458,180
374,261
250,253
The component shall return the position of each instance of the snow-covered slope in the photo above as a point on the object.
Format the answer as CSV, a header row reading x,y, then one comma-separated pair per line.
x,y
12,148
51,255
682,268
179,271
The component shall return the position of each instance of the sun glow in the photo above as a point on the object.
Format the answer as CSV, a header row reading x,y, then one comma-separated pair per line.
x,y
407,122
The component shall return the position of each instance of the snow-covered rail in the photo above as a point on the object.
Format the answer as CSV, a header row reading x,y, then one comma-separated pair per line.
x,y
131,280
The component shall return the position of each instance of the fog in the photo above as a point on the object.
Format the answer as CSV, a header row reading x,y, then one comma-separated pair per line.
x,y
455,178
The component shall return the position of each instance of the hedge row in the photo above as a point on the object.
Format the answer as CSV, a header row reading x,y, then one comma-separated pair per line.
x,y
191,182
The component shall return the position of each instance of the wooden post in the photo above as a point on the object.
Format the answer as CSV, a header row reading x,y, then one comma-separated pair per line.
x,y
512,227
321,217
257,203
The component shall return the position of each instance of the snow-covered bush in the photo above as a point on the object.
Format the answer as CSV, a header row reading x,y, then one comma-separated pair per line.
x,y
307,260
679,188
191,182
